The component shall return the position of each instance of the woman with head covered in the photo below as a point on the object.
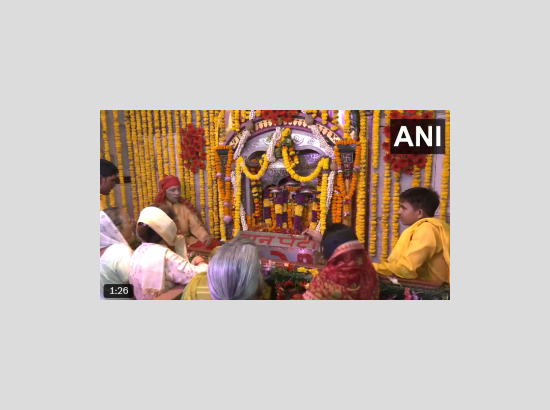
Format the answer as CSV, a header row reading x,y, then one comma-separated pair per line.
x,y
154,268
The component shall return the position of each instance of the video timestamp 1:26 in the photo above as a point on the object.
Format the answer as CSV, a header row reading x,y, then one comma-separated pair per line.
x,y
116,291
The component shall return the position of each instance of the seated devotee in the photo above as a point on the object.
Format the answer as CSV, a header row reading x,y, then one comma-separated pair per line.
x,y
197,288
235,273
116,230
154,268
189,220
108,177
348,274
423,250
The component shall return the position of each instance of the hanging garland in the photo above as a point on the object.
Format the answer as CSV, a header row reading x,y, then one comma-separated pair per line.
x,y
158,146
118,148
429,163
107,152
209,169
256,177
278,116
386,205
362,183
171,152
279,199
396,192
446,173
294,175
138,156
374,190
151,144
236,120
143,135
348,197
334,120
324,116
324,186
267,207
347,118
131,162
224,194
181,168
165,158
144,163
237,217
338,197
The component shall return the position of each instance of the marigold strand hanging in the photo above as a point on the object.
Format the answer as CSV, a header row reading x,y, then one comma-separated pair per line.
x,y
131,162
118,147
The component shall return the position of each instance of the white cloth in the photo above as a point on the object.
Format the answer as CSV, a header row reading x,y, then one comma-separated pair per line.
x,y
114,266
108,232
154,269
161,223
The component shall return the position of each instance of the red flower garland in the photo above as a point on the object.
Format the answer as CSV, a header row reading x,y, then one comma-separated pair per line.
x,y
404,163
192,146
274,115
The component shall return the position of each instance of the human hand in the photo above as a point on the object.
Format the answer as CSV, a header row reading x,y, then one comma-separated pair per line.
x,y
314,235
197,260
208,241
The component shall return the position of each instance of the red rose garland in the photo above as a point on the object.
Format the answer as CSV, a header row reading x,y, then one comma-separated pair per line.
x,y
274,115
192,146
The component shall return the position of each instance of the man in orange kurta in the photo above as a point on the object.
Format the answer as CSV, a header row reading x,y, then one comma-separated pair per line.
x,y
189,221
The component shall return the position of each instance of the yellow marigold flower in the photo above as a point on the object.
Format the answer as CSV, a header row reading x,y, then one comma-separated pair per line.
x,y
302,269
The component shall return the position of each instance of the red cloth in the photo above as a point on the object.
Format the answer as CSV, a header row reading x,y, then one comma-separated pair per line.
x,y
348,275
170,181
200,245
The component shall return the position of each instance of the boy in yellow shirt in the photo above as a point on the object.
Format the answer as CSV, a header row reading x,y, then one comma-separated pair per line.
x,y
423,250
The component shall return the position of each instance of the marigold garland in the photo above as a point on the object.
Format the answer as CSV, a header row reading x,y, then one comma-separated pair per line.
x,y
107,151
171,144
429,163
324,116
446,173
236,120
165,159
181,169
374,190
334,120
237,217
102,199
396,192
294,175
144,159
118,148
324,185
158,146
347,196
138,159
261,172
362,183
151,144
131,162
147,157
347,125
386,205
209,169
339,196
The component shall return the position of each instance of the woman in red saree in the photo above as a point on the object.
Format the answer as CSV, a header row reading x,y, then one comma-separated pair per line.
x,y
348,274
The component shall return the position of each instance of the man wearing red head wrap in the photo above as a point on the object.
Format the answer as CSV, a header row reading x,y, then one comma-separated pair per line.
x,y
190,223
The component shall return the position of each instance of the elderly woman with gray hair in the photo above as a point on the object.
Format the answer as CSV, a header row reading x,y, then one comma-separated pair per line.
x,y
235,273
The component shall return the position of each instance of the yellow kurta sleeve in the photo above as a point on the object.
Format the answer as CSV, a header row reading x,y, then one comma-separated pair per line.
x,y
197,229
422,246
